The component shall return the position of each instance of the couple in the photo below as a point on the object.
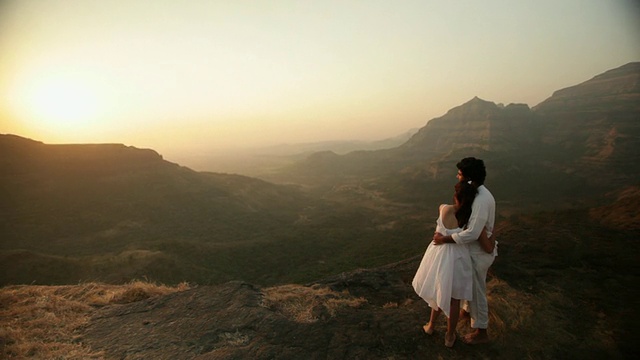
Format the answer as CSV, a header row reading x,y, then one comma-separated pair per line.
x,y
455,265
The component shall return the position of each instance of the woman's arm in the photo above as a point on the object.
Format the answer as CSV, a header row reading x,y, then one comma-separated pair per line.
x,y
487,243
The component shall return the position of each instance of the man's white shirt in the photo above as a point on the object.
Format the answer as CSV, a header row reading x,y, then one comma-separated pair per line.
x,y
483,215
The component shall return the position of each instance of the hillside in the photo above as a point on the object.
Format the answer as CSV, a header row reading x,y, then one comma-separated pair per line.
x,y
569,150
109,212
592,127
63,204
550,296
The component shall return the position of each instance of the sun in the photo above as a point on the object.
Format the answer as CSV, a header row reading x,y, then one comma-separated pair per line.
x,y
61,103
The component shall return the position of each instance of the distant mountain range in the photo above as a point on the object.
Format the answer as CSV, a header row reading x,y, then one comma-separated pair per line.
x,y
580,143
109,212
263,161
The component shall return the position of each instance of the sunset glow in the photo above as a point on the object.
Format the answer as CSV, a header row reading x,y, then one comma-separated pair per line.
x,y
60,104
178,76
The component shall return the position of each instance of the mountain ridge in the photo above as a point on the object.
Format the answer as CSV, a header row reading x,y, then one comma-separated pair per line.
x,y
579,144
623,80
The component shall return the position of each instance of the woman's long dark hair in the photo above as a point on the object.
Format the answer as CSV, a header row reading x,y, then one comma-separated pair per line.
x,y
465,194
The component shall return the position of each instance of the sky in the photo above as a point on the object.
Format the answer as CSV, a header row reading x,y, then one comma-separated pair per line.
x,y
196,76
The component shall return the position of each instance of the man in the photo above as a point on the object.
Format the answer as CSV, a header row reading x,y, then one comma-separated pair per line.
x,y
482,217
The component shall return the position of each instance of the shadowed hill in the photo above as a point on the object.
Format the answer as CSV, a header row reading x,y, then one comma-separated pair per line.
x,y
115,183
592,129
473,126
137,212
113,213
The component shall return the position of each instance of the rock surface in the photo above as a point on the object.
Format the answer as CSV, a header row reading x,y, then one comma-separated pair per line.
x,y
232,321
549,294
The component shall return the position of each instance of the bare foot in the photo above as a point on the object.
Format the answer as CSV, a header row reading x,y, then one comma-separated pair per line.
x,y
449,340
475,338
428,329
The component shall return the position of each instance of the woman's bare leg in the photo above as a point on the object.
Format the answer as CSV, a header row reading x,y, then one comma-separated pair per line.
x,y
430,326
452,322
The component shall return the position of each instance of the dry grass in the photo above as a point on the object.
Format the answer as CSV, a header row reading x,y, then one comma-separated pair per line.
x,y
540,326
234,338
531,321
41,322
390,305
308,304
510,312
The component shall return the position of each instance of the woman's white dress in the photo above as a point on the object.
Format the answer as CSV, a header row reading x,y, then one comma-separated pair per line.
x,y
445,272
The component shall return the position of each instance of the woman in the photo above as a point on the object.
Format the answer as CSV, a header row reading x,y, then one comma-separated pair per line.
x,y
444,275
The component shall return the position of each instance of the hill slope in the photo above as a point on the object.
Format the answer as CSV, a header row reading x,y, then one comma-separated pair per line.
x,y
114,213
571,149
549,297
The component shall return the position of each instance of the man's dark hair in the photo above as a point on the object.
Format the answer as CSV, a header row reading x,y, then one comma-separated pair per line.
x,y
473,169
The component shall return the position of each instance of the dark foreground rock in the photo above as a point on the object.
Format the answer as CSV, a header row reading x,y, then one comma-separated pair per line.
x,y
233,321
548,299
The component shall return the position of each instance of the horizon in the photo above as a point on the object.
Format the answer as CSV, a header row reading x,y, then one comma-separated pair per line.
x,y
203,77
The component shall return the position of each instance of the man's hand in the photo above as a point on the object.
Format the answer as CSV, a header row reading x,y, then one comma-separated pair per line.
x,y
438,239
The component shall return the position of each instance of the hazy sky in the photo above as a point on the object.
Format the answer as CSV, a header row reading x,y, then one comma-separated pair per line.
x,y
187,75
